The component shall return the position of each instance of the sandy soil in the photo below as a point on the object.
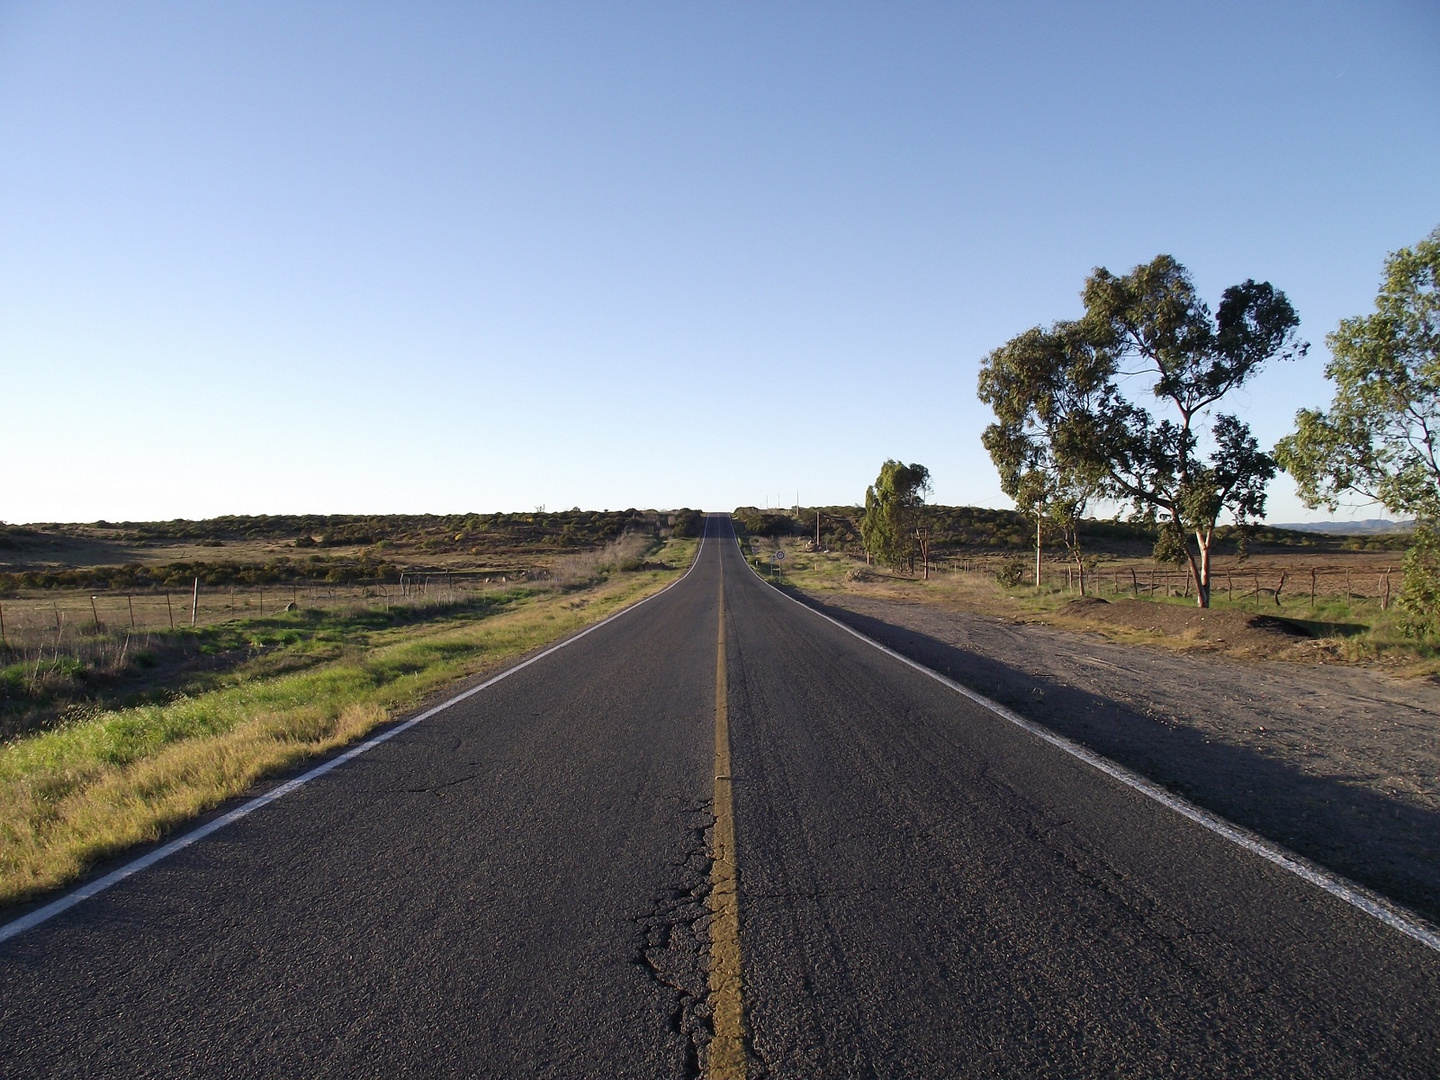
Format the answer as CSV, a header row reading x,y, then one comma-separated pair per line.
x,y
1338,763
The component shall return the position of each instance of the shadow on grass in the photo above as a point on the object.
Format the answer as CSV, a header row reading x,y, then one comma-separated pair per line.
x,y
1387,845
1321,629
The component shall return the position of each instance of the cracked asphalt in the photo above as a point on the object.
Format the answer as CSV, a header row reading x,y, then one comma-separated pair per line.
x,y
517,888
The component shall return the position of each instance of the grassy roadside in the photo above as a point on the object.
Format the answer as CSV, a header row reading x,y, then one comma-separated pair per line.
x,y
87,790
1357,633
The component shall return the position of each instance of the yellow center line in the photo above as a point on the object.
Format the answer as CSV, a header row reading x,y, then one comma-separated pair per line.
x,y
726,1057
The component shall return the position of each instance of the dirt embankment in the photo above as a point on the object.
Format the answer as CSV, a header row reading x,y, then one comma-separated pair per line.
x,y
1338,763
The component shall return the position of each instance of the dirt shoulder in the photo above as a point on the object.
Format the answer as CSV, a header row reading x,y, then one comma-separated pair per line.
x,y
1338,763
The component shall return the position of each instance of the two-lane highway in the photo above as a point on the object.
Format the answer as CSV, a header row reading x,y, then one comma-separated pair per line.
x,y
523,886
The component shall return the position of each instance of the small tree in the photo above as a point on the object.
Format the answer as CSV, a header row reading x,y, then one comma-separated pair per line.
x,y
1044,386
1379,438
893,525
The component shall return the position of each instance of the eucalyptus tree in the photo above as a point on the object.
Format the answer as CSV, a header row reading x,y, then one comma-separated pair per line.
x,y
1151,324
1045,387
1378,439
893,526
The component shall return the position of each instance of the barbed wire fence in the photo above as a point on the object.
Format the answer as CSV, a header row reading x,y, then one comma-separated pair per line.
x,y
1286,587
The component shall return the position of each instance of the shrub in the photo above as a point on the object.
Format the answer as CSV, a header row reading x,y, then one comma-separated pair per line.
x,y
688,523
1420,587
1011,573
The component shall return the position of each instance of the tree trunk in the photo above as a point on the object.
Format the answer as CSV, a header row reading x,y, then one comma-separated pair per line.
x,y
1072,542
1038,522
1200,567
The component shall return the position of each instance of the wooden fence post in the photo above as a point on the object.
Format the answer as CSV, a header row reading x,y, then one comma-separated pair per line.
x,y
130,602
94,614
195,603
170,611
1312,586
2,626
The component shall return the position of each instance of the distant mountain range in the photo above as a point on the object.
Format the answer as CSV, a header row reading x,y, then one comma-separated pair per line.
x,y
1365,527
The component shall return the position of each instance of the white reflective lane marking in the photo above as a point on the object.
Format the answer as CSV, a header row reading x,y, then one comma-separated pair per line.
x,y
1353,893
84,892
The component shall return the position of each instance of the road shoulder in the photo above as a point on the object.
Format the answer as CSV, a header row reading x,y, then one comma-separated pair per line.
x,y
1337,764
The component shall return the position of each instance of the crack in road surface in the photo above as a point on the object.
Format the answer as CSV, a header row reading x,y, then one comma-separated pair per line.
x,y
673,939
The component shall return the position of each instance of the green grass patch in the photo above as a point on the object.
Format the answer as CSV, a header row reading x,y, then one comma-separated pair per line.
x,y
92,787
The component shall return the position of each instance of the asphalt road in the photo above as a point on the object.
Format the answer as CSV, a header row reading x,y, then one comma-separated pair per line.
x,y
517,887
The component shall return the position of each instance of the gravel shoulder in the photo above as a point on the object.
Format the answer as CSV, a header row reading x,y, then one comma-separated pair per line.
x,y
1338,763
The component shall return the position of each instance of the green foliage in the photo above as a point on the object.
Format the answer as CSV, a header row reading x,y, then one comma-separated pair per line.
x,y
754,522
1011,573
1378,438
1066,429
687,523
1420,585
892,518
1170,545
1044,387
592,528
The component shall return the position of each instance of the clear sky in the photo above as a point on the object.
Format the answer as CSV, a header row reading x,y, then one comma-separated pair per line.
x,y
361,257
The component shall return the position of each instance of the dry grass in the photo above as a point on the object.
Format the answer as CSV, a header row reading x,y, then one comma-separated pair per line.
x,y
78,794
1354,628
56,824
65,619
623,553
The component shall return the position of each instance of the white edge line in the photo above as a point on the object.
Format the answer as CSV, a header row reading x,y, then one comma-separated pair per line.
x,y
84,892
1353,893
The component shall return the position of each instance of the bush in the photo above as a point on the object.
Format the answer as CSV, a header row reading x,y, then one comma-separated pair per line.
x,y
756,523
688,523
1420,588
1011,573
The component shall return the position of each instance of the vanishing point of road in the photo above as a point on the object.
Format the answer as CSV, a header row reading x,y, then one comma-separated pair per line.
x,y
718,835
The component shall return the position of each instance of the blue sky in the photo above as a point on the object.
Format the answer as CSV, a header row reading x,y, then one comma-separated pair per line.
x,y
271,258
